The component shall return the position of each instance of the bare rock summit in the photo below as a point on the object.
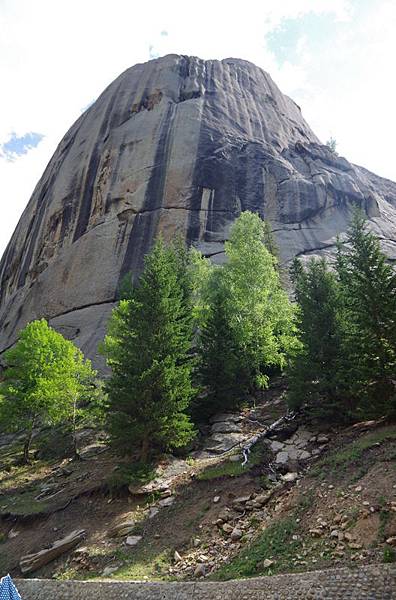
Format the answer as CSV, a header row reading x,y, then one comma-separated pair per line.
x,y
177,144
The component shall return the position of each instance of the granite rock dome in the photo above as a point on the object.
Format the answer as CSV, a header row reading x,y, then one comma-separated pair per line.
x,y
177,144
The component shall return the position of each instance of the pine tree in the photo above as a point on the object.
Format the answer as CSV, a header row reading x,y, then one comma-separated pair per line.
x,y
45,381
314,372
220,370
148,349
368,286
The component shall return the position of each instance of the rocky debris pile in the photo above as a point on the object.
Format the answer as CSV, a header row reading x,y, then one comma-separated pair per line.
x,y
236,524
302,445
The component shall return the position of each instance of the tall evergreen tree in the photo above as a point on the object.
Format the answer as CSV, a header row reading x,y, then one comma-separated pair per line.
x,y
221,373
368,286
314,371
148,349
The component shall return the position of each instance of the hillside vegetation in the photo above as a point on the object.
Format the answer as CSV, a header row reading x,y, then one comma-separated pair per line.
x,y
280,416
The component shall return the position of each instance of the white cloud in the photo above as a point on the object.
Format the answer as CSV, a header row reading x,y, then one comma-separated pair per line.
x,y
55,57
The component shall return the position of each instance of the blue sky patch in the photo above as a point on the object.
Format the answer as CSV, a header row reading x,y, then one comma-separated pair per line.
x,y
315,28
17,146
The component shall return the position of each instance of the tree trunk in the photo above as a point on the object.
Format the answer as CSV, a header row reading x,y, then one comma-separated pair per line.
x,y
75,446
28,441
145,447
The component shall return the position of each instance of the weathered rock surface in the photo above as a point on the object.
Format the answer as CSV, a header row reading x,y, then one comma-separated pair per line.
x,y
176,144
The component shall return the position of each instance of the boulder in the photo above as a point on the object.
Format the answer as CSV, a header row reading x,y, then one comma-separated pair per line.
x,y
166,502
236,534
227,427
133,540
32,562
122,529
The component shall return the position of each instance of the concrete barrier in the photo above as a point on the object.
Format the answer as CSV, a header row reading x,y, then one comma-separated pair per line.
x,y
372,582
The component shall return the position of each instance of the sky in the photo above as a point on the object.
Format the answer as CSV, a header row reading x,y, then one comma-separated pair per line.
x,y
335,58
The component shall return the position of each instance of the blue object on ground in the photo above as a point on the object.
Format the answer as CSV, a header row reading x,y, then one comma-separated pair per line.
x,y
8,590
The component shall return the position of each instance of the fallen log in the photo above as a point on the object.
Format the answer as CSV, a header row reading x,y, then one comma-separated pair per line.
x,y
32,562
289,416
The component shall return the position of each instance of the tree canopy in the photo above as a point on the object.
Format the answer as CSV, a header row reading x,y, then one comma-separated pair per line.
x,y
148,349
45,378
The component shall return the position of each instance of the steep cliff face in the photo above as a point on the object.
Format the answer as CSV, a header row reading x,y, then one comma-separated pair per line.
x,y
174,145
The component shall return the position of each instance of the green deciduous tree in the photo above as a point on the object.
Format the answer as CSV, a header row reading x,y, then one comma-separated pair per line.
x,y
45,381
148,349
251,313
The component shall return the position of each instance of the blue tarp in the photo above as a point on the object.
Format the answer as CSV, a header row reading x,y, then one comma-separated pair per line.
x,y
8,590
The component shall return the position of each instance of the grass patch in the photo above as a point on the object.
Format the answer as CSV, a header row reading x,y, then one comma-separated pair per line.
x,y
22,504
275,543
384,517
146,561
224,469
354,451
389,555
230,468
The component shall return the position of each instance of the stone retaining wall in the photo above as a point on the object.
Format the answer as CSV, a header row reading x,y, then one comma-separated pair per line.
x,y
373,582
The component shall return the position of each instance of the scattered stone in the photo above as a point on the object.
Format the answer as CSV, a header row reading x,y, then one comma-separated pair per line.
x,y
226,514
354,546
227,528
196,542
262,499
241,500
337,519
153,511
109,571
226,427
132,540
276,446
200,571
334,533
166,502
282,458
358,488
13,533
236,534
32,562
177,558
303,455
166,493
216,499
290,477
322,438
267,562
391,541
315,532
122,529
